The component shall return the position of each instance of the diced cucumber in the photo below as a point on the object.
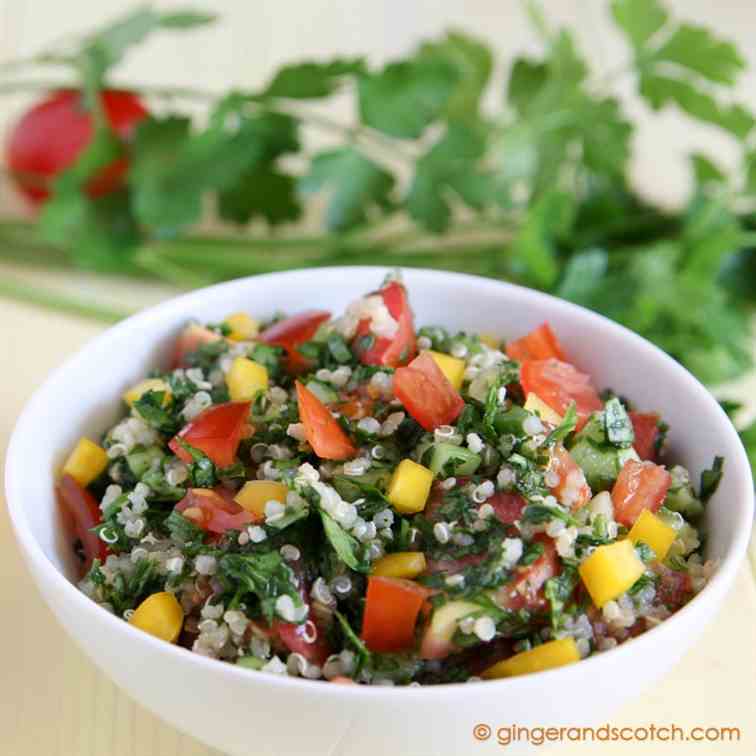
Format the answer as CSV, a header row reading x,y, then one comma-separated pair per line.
x,y
251,662
323,391
601,464
681,497
448,460
142,460
511,421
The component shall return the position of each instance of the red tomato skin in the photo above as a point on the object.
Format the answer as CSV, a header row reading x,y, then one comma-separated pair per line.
x,y
395,351
646,429
290,332
426,393
324,434
525,590
216,432
507,507
558,384
573,489
50,136
81,512
391,609
293,637
219,511
639,486
540,344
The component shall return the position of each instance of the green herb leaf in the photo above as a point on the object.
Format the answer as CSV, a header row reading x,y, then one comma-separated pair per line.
x,y
710,479
558,591
405,98
696,49
263,574
448,171
567,426
356,185
310,80
639,19
345,545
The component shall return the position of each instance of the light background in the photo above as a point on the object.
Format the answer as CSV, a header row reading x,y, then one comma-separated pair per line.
x,y
52,701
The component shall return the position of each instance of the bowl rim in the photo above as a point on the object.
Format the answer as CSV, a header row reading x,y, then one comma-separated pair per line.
x,y
68,591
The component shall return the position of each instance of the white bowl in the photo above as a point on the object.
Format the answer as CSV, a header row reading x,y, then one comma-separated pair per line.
x,y
241,712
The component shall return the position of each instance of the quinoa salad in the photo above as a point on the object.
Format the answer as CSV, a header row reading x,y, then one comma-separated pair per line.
x,y
346,497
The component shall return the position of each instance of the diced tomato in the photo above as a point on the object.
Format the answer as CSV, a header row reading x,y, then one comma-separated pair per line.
x,y
81,513
426,393
674,588
540,344
646,428
355,407
558,384
216,432
212,510
391,609
190,340
507,507
572,490
525,591
295,638
380,350
326,436
639,486
291,332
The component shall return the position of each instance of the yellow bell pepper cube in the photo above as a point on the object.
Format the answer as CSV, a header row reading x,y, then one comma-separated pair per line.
x,y
149,384
86,462
255,494
555,653
610,570
242,326
401,564
654,532
534,404
160,615
451,367
490,340
409,487
245,378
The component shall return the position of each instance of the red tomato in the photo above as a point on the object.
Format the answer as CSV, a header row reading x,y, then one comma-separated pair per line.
x,y
291,332
325,435
646,428
190,340
507,507
50,136
216,511
525,591
558,384
540,344
639,486
426,393
216,432
572,490
82,512
398,350
295,638
391,609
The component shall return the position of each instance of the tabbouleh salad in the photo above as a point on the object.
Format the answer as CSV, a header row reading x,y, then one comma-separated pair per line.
x,y
355,500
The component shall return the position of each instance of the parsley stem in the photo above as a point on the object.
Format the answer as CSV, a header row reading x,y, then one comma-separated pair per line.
x,y
59,302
